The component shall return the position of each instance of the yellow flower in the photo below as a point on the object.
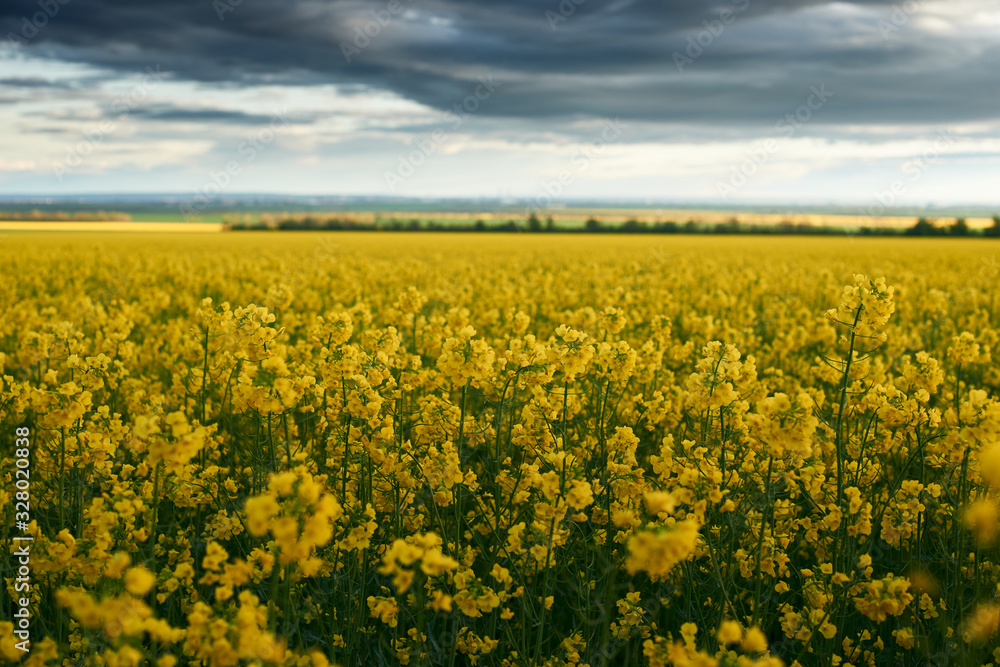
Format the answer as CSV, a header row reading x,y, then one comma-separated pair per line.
x,y
983,518
658,551
384,609
215,555
754,641
730,632
8,643
434,563
884,597
580,494
989,464
440,602
904,637
982,624
659,501
465,360
259,512
501,574
964,350
138,580
117,565
865,306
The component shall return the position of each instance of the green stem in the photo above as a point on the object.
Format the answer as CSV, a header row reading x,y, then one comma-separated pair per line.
x,y
460,447
545,590
760,542
156,509
458,514
272,607
62,474
347,439
841,446
288,440
204,379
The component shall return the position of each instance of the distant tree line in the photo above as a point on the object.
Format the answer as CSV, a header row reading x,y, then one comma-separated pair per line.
x,y
958,228
80,216
534,224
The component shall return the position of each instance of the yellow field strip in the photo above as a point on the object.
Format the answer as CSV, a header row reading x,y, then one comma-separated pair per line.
x,y
72,226
649,216
704,217
814,219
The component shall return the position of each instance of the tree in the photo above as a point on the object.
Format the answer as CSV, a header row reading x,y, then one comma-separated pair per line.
x,y
592,225
732,226
632,226
960,228
922,228
534,224
993,231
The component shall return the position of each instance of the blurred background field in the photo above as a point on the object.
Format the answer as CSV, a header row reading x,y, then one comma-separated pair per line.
x,y
634,220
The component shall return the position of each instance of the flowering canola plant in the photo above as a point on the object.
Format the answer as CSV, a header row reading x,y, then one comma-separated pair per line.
x,y
352,449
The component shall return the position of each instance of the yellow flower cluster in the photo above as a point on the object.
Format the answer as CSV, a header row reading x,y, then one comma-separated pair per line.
x,y
300,515
884,597
401,557
657,551
865,307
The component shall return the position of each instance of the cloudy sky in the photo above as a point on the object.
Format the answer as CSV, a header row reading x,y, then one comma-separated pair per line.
x,y
777,101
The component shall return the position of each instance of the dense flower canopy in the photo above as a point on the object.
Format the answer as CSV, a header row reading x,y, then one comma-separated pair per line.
x,y
363,449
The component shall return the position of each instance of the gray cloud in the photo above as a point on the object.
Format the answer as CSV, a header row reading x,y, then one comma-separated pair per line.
x,y
605,59
171,113
32,83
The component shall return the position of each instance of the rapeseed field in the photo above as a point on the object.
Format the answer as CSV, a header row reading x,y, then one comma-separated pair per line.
x,y
446,449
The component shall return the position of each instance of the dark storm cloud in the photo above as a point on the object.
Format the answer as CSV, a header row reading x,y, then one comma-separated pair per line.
x,y
558,61
33,82
170,113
